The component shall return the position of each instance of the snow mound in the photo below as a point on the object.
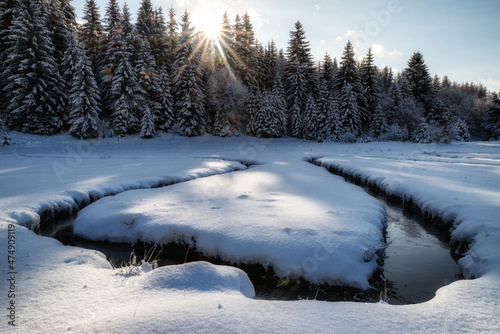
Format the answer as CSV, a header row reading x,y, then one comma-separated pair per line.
x,y
278,215
199,277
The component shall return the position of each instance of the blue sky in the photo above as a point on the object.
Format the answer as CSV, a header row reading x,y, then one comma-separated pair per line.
x,y
457,38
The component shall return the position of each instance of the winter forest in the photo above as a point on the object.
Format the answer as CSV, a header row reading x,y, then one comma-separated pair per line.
x,y
109,76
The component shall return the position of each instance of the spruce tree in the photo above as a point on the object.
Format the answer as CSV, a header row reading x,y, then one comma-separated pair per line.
x,y
301,79
84,100
188,95
369,81
311,119
166,117
244,48
492,118
327,72
348,109
348,74
172,38
125,93
378,125
32,73
419,83
91,31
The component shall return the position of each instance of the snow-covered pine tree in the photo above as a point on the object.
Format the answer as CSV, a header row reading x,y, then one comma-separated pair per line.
x,y
90,31
188,96
348,74
419,82
166,118
62,24
84,100
148,79
332,129
301,79
311,119
378,125
457,130
348,109
369,80
125,94
245,53
492,118
109,46
252,110
423,134
225,101
32,73
172,39
327,73
159,41
8,10
148,124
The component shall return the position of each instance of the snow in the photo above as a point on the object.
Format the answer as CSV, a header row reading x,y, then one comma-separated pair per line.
x,y
278,214
62,288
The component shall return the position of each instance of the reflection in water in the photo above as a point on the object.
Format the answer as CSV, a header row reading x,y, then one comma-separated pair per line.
x,y
418,260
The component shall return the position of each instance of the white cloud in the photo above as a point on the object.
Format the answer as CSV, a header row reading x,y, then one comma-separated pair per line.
x,y
380,51
350,33
317,7
395,52
338,39
183,3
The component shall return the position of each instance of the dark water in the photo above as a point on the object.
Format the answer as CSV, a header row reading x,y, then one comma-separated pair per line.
x,y
417,262
418,259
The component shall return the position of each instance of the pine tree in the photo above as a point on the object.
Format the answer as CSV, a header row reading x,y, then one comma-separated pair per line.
x,y
311,119
423,134
145,19
253,109
348,74
172,38
8,9
328,72
84,99
189,98
148,124
62,24
378,125
244,48
419,82
32,73
148,80
348,109
369,81
301,79
492,119
91,31
166,117
125,93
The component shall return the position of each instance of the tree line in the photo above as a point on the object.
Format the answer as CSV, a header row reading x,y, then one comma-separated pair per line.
x,y
112,77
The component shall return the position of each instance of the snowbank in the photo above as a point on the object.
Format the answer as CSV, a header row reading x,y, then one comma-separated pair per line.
x,y
278,214
461,187
68,289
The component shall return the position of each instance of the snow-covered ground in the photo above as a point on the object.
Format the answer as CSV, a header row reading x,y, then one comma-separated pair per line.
x,y
277,212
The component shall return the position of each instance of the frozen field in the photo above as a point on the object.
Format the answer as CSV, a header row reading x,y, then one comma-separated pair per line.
x,y
282,212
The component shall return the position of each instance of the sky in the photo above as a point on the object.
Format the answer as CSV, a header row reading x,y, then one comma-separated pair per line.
x,y
457,38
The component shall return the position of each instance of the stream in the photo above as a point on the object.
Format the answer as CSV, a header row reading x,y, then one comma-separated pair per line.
x,y
417,262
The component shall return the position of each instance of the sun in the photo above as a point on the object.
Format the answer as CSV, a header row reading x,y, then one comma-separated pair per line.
x,y
208,20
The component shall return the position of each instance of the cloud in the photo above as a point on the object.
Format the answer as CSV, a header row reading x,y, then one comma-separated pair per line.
x,y
317,7
380,51
183,3
350,33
